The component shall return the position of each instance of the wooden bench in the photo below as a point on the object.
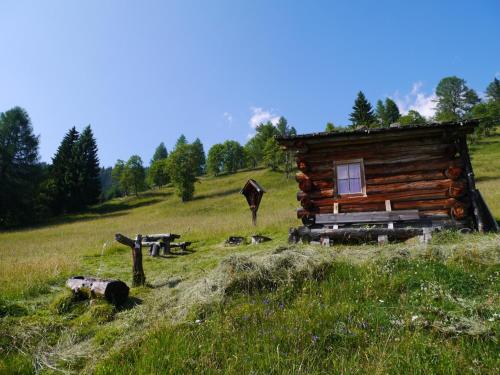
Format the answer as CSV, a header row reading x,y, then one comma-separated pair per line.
x,y
332,221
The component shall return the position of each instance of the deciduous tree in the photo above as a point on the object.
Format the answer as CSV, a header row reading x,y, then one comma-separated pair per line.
x,y
182,170
454,99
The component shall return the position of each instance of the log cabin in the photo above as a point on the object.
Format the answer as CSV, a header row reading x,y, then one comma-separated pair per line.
x,y
386,183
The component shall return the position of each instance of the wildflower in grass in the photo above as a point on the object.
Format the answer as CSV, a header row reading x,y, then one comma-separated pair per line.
x,y
314,338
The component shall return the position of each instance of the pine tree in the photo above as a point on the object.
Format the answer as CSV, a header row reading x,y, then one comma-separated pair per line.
x,y
362,112
181,141
20,171
90,183
65,174
493,90
380,113
200,157
160,153
392,113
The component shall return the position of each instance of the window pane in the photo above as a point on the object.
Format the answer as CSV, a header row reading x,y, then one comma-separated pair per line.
x,y
343,187
342,172
355,170
355,185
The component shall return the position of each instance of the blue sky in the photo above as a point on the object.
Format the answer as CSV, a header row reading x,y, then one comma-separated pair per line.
x,y
141,72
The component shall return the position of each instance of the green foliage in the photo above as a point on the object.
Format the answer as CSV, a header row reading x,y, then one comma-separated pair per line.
x,y
261,149
387,113
90,184
493,90
133,175
454,99
273,155
116,176
65,173
75,172
330,127
362,113
392,113
215,159
233,157
200,157
182,167
160,153
181,141
489,117
20,172
158,173
227,157
255,146
412,118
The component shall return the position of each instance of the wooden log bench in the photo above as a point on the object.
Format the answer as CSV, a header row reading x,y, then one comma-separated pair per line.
x,y
345,226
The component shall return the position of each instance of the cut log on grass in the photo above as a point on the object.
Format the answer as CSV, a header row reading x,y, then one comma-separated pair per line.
x,y
257,238
235,240
114,291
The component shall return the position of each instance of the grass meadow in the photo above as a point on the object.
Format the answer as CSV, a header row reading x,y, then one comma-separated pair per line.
x,y
271,308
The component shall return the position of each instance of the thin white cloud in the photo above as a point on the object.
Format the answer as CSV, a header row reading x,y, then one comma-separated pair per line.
x,y
260,116
228,117
416,100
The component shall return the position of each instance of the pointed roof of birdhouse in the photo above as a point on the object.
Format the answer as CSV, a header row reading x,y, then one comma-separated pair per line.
x,y
252,184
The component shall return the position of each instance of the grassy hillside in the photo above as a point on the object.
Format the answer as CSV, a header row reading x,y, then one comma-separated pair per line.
x,y
268,308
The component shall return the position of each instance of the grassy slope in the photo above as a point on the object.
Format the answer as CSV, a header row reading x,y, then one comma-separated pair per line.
x,y
35,262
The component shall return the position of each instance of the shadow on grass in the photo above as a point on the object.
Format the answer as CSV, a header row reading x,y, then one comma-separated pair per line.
x,y
107,208
129,304
102,211
217,194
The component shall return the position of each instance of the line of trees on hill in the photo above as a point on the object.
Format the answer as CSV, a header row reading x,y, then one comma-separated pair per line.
x,y
455,101
188,161
31,191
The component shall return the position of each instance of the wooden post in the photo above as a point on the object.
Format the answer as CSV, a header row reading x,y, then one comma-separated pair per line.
x,y
335,211
388,207
166,247
138,277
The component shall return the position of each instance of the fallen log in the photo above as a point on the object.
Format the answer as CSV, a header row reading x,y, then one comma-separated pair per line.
x,y
114,291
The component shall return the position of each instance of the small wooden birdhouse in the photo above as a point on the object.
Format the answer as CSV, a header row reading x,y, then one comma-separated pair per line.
x,y
253,192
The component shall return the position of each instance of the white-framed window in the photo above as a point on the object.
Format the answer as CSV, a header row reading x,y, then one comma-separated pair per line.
x,y
349,177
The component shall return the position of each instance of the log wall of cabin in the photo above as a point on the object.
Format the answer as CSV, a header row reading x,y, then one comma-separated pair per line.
x,y
425,174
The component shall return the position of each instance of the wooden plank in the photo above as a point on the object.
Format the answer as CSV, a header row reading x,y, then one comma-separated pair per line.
x,y
368,217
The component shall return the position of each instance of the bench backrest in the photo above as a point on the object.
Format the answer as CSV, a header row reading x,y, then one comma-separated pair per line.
x,y
368,217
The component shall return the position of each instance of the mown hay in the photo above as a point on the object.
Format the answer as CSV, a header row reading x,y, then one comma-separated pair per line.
x,y
244,274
